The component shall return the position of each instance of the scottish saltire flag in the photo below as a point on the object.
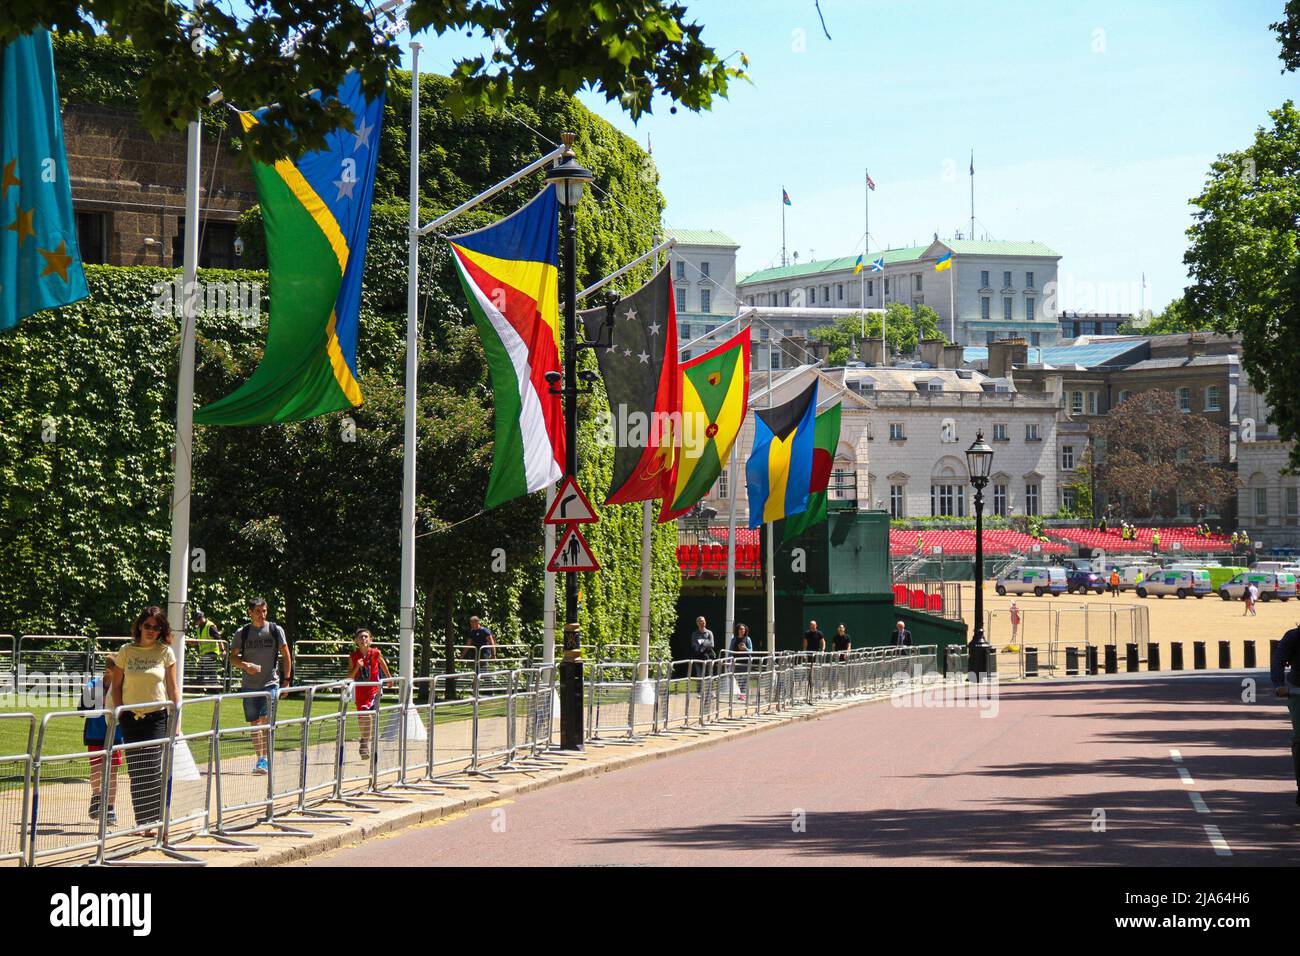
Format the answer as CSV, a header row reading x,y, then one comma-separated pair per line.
x,y
943,262
40,264
510,277
826,438
316,213
779,471
714,395
857,266
878,265
785,198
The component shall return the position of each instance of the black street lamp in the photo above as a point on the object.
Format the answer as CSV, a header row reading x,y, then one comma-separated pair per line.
x,y
979,462
569,179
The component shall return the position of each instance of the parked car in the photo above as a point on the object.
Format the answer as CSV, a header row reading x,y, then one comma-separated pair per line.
x,y
1082,580
1280,585
1182,582
1035,580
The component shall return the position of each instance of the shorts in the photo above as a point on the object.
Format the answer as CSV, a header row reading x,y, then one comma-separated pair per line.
x,y
367,703
255,708
99,749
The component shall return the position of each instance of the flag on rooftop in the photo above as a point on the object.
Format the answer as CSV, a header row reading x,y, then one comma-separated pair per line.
x,y
871,183
943,262
785,198
857,266
878,264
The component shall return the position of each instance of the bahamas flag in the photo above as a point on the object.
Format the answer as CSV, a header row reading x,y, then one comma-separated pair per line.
x,y
509,272
779,470
40,264
826,438
316,213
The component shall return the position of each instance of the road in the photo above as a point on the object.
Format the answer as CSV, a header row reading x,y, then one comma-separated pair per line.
x,y
1118,771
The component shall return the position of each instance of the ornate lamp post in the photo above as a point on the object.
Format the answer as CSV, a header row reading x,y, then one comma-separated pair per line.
x,y
979,463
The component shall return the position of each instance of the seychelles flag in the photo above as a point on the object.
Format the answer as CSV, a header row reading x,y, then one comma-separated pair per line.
x,y
509,272
316,213
40,264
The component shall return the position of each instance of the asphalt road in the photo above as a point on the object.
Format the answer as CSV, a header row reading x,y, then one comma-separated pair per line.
x,y
1168,771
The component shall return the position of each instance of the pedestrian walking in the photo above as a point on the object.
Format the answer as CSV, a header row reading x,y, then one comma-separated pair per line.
x,y
740,643
702,645
901,637
144,676
207,639
841,641
1015,622
1250,596
366,665
1287,655
261,650
814,641
96,694
481,643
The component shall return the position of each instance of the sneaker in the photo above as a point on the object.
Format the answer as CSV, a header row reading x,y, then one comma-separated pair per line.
x,y
365,752
261,766
94,810
112,817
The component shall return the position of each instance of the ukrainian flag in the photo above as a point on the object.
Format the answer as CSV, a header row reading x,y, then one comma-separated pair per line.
x,y
779,470
943,262
316,212
857,266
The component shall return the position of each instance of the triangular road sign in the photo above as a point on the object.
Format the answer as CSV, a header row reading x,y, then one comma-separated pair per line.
x,y
573,554
571,505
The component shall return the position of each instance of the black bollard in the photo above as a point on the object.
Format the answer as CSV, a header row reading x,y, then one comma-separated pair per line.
x,y
1225,655
1071,661
1112,659
1130,657
1176,656
1250,655
1198,655
1031,662
1090,656
1153,657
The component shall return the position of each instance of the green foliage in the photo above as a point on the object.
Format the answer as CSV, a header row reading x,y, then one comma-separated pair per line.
x,y
629,50
905,326
1244,260
1288,35
1175,318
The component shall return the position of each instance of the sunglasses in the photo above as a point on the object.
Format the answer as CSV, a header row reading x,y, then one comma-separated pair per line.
x,y
151,627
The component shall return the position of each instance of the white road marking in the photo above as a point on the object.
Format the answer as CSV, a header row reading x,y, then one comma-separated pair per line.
x,y
1187,777
1217,841
1199,802
1177,755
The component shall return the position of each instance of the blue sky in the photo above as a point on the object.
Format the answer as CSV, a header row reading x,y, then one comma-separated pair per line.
x,y
1092,126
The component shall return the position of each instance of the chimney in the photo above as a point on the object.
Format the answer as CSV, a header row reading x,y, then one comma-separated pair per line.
x,y
1004,354
953,356
1196,345
931,352
872,351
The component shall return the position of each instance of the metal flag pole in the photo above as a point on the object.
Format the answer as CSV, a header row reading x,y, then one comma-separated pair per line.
x,y
178,572
783,260
406,646
952,296
645,693
866,246
771,551
972,192
732,488
548,584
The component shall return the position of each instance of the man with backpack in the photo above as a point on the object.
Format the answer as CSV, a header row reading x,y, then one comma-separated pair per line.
x,y
261,651
1285,673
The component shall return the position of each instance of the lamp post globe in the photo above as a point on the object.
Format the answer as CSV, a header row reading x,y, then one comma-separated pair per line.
x,y
979,464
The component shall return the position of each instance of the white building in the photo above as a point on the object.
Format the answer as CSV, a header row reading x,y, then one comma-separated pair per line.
x,y
703,266
1268,502
998,289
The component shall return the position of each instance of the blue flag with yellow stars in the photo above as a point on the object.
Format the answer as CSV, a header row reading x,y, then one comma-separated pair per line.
x,y
40,264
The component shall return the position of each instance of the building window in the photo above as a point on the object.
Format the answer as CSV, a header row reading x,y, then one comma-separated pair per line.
x,y
785,299
948,500
812,296
1000,431
984,279
92,236
1031,433
886,285
1076,403
1067,499
1035,338
708,329
681,269
918,282
1000,500
1184,399
871,287
1261,502
896,432
1031,498
1092,403
686,332
686,356
897,502
722,484
1029,281
704,269
216,245
705,304
776,360
1067,457
1124,393
839,292
1006,309
985,305
1029,309
1006,280
765,335
1292,502
1212,398
681,300
990,338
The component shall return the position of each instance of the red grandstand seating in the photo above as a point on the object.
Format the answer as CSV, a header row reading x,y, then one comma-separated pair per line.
x,y
900,594
936,602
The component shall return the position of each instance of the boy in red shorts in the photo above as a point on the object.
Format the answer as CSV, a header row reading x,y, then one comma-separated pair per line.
x,y
365,665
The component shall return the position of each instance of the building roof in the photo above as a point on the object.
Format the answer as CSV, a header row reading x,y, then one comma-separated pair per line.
x,y
997,247
700,237
1088,355
891,378
819,266
1185,362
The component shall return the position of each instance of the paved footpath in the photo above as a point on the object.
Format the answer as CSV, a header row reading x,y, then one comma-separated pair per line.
x,y
1117,771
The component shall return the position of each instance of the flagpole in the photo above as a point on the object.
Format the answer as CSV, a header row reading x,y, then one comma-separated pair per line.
x,y
771,552
732,489
548,584
783,260
952,297
406,649
178,572
972,193
866,246
645,694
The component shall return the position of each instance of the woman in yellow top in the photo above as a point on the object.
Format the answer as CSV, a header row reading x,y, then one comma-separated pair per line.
x,y
144,674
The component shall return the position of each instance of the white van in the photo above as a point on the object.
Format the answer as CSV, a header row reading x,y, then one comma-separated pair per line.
x,y
1179,581
1038,581
1272,567
1128,575
1279,584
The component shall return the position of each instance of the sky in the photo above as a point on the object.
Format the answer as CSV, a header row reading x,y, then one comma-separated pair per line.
x,y
1092,125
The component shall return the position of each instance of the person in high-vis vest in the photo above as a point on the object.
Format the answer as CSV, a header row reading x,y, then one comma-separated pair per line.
x,y
207,639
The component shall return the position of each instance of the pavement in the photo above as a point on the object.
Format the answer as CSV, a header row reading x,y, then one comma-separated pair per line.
x,y
1156,770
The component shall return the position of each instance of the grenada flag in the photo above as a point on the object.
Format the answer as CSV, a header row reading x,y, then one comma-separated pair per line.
x,y
316,213
509,272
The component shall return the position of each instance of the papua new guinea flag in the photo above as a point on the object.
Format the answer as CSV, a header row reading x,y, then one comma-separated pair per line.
x,y
509,272
639,366
316,213
826,438
779,470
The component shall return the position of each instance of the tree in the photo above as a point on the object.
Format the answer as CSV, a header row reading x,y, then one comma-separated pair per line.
x,y
1288,34
1244,260
905,326
1174,318
1152,456
628,50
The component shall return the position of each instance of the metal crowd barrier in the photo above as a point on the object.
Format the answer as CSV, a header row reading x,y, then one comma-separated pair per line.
x,y
16,779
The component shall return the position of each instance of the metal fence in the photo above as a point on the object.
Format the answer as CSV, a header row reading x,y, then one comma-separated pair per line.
x,y
941,598
206,780
1041,640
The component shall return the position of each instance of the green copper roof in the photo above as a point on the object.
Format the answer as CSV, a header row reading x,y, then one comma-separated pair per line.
x,y
995,247
701,237
833,265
